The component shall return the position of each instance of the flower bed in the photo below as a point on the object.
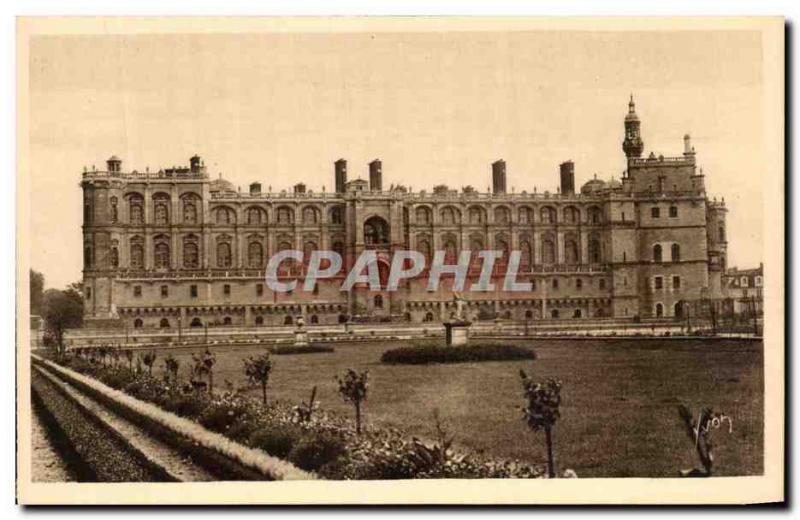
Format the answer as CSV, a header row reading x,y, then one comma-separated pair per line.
x,y
324,444
424,353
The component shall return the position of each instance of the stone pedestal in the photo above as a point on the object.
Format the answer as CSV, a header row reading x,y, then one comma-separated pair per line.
x,y
456,333
300,338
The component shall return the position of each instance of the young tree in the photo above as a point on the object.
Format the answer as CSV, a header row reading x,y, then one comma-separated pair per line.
x,y
171,366
149,359
62,310
699,432
257,370
353,388
204,366
542,411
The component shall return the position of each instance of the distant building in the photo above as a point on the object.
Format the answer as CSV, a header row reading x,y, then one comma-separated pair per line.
x,y
173,245
743,290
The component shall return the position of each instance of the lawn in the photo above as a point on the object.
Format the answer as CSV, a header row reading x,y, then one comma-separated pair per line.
x,y
619,415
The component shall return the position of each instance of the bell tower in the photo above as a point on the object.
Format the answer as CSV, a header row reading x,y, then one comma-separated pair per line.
x,y
633,146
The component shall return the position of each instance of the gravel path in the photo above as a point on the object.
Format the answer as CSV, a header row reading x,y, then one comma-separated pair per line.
x,y
47,466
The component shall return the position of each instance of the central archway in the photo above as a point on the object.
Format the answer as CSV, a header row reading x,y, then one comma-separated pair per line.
x,y
376,232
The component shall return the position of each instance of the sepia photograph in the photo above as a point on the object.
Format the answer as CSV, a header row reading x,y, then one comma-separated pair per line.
x,y
410,260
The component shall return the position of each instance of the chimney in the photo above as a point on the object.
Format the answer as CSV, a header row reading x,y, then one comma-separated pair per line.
x,y
340,169
255,188
114,164
299,188
375,176
195,163
499,176
567,170
687,145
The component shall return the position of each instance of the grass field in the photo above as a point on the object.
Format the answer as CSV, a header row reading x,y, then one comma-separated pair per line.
x,y
619,415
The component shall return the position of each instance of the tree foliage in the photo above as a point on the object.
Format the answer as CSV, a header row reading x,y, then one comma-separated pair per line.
x,y
257,370
37,292
62,310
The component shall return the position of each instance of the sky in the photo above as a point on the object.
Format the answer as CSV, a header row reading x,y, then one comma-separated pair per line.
x,y
435,107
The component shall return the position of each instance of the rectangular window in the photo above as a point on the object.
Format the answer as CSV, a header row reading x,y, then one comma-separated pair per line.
x,y
602,283
676,282
533,285
658,282
226,289
673,211
655,212
164,291
88,293
579,284
193,291
259,289
555,283
137,291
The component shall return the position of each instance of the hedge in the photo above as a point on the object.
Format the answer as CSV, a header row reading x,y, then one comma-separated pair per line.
x,y
424,353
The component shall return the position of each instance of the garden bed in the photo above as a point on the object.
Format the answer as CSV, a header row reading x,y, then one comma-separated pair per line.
x,y
296,349
425,353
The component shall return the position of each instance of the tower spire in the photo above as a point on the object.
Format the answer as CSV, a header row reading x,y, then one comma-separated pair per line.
x,y
633,146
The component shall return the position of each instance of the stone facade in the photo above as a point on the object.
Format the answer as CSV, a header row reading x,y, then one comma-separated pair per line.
x,y
176,246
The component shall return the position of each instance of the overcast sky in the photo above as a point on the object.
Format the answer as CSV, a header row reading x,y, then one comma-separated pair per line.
x,y
435,107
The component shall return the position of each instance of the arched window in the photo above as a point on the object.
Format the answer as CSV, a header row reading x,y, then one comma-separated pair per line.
x,y
161,209
191,253
138,323
285,215
548,215
526,257
196,322
501,244
378,301
570,215
255,216
657,253
376,231
676,253
287,320
338,248
525,216
548,250
659,310
259,320
136,253
448,216
114,210
337,215
424,247
595,216
308,248
227,321
224,258
225,216
189,210
88,256
428,317
528,314
255,255
721,232
136,209
501,215
554,313
113,258
161,255
476,215
571,255
450,249
595,254
164,323
310,215
577,313
679,310
423,216
313,320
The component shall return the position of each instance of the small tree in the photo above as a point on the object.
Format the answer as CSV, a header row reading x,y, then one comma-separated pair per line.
x,y
204,366
699,433
129,356
257,370
149,360
542,411
171,366
62,310
353,388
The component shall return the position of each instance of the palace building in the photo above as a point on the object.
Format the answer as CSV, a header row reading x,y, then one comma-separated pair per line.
x,y
179,248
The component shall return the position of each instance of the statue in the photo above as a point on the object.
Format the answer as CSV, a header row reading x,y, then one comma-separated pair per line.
x,y
459,305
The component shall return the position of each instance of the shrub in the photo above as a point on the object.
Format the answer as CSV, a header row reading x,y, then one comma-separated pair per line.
x,y
219,416
353,389
257,370
542,411
421,354
315,450
277,440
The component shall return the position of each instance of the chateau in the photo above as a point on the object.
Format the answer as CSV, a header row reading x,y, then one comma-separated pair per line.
x,y
178,248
